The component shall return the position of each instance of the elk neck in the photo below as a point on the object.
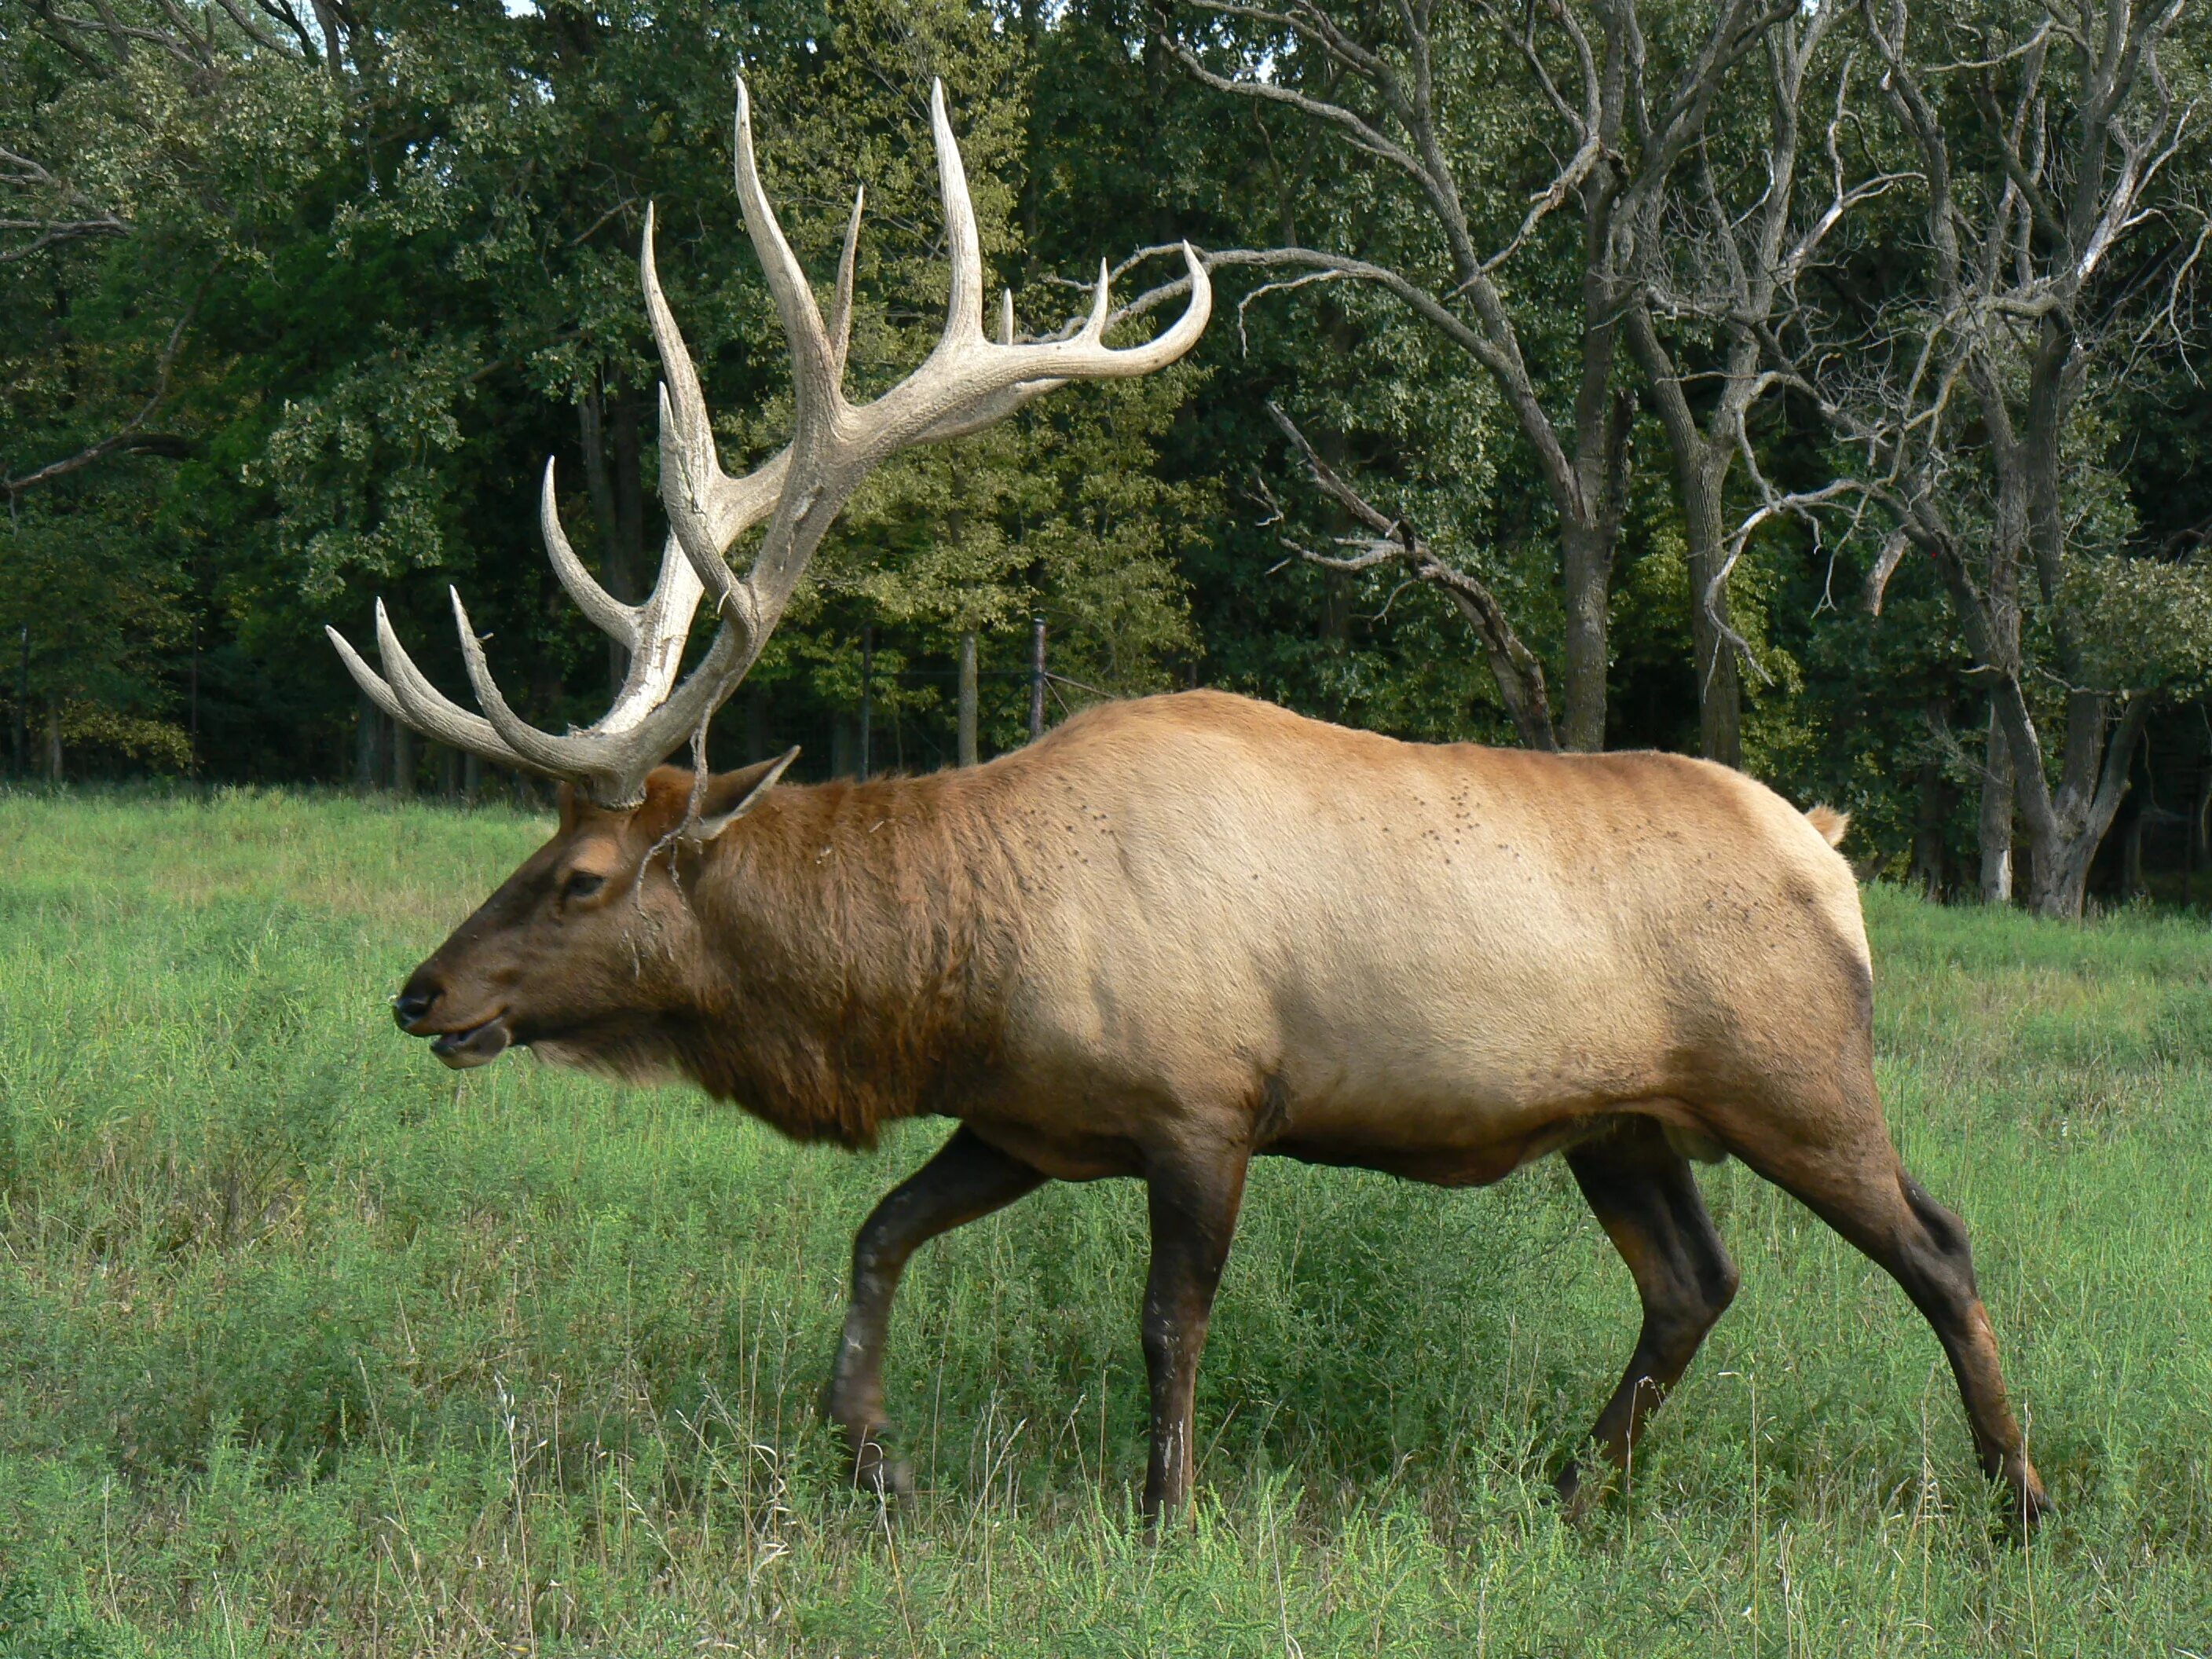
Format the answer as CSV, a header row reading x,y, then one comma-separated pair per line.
x,y
861,943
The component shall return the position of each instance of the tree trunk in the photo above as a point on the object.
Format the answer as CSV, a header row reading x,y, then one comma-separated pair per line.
x,y
471,777
2065,830
612,478
1519,677
18,725
867,700
966,738
1996,815
1586,564
1720,690
1701,471
1588,535
403,761
2132,884
2006,769
2200,831
1036,677
2065,825
54,741
1932,808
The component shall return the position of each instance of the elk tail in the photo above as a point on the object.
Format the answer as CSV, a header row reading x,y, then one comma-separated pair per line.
x,y
1830,823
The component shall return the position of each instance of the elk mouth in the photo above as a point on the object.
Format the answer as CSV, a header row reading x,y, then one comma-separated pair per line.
x,y
479,1045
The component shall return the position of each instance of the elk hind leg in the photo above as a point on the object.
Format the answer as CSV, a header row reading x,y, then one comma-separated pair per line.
x,y
1851,1177
967,1180
1647,1202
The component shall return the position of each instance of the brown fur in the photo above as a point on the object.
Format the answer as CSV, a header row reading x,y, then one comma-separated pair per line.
x,y
1180,930
879,947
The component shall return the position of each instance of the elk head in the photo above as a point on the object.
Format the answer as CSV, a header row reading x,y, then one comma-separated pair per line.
x,y
581,949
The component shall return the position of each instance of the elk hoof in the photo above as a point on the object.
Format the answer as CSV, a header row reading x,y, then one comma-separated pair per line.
x,y
2031,1507
1576,1496
876,1471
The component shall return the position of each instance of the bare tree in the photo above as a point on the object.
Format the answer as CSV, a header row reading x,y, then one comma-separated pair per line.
x,y
132,438
1717,269
1370,74
42,209
192,37
2043,281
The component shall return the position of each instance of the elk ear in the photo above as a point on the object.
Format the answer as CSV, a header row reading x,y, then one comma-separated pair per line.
x,y
731,795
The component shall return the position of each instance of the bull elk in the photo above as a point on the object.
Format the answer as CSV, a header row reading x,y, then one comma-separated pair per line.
x,y
1173,934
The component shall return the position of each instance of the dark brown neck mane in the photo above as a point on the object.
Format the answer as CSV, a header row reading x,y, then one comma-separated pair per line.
x,y
862,942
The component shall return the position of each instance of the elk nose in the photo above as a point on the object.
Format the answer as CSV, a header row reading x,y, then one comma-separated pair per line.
x,y
411,1005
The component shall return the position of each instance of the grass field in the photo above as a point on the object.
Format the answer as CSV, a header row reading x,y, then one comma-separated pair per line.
x,y
309,1345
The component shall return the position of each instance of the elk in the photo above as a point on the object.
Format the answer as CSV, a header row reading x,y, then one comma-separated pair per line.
x,y
1172,934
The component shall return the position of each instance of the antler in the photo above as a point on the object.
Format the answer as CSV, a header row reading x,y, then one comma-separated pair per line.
x,y
967,383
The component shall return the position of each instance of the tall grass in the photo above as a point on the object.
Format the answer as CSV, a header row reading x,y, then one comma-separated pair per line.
x,y
307,1345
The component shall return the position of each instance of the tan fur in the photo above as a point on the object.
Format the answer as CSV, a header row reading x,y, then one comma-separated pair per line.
x,y
1180,931
1832,824
1200,918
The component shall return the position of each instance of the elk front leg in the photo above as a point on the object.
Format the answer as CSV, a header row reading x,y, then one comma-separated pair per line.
x,y
1192,1199
1647,1202
967,1180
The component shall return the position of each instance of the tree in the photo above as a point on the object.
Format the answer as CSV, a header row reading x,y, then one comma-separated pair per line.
x,y
146,151
1381,80
1723,248
1970,396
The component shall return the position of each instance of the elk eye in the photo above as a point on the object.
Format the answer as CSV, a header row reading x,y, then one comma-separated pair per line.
x,y
581,884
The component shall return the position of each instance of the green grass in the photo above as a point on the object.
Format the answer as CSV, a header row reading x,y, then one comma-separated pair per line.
x,y
309,1345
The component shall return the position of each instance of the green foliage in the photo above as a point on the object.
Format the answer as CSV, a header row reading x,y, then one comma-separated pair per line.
x,y
36,1623
359,468
397,279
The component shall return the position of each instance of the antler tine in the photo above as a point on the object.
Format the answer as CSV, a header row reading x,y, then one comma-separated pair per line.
x,y
708,509
704,526
429,709
541,749
814,373
370,682
411,700
964,310
608,614
1086,356
840,312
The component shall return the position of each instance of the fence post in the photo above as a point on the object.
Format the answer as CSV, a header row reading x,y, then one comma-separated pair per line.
x,y
966,730
1036,677
20,731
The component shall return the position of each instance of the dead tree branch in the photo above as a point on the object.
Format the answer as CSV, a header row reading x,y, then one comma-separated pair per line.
x,y
131,438
1393,541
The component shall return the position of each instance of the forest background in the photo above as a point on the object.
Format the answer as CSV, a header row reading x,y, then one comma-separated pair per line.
x,y
1816,386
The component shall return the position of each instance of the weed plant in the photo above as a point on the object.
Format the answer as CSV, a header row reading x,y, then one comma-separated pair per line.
x,y
309,1345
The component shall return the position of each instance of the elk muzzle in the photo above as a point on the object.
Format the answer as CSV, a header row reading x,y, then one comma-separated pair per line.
x,y
459,1045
